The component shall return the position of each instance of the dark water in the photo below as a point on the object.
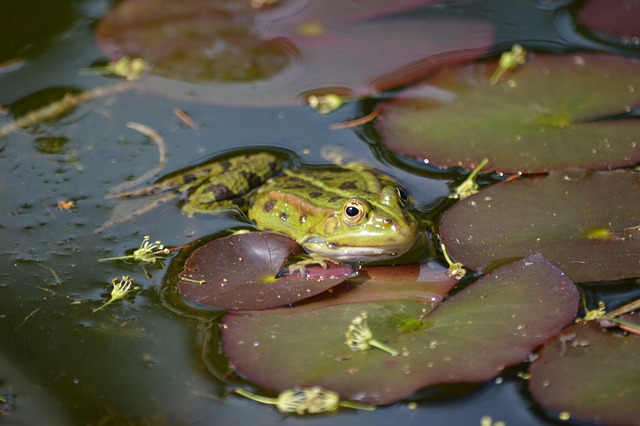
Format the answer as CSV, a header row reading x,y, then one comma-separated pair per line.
x,y
141,361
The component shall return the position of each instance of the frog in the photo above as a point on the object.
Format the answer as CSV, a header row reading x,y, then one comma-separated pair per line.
x,y
346,213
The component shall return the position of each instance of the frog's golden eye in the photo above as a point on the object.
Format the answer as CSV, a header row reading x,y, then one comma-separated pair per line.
x,y
354,212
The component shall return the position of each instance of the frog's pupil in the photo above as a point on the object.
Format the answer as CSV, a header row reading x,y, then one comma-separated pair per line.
x,y
403,194
352,211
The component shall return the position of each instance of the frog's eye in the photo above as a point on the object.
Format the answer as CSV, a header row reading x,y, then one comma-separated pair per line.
x,y
402,194
354,212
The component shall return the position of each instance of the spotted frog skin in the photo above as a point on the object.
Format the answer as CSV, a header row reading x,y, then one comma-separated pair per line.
x,y
340,214
348,213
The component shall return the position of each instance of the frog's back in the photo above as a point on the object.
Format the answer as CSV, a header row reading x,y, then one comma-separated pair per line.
x,y
211,185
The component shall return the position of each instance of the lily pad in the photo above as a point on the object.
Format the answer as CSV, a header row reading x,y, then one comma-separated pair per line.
x,y
471,337
239,272
586,223
554,112
614,18
591,374
227,52
426,283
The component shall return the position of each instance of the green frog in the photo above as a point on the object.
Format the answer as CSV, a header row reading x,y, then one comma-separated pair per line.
x,y
348,213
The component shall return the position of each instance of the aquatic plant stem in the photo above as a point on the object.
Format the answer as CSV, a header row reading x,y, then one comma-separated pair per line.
x,y
57,108
378,344
357,405
254,397
162,158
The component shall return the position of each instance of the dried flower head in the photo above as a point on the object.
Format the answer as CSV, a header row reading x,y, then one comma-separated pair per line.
x,y
149,252
128,68
326,103
469,186
456,269
509,61
594,314
360,338
146,253
120,289
312,400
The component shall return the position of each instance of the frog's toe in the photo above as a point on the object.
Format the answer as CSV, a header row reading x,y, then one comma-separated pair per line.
x,y
311,259
296,268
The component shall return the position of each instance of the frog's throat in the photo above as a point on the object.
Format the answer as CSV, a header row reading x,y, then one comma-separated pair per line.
x,y
343,253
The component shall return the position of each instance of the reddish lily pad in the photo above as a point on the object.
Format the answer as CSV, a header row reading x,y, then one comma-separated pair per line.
x,y
551,113
226,52
614,18
471,337
584,222
426,283
238,272
591,374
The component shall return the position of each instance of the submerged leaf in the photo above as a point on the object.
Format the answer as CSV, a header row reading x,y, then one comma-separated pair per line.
x,y
227,52
471,337
589,373
554,112
584,222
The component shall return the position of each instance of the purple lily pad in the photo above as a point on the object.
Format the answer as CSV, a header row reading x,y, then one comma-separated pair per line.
x,y
584,222
428,283
226,52
614,18
471,337
238,272
548,114
425,283
590,373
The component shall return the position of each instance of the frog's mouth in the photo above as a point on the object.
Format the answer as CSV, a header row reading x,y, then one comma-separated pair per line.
x,y
346,253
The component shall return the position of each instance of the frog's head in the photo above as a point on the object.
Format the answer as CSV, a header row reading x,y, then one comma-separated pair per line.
x,y
367,230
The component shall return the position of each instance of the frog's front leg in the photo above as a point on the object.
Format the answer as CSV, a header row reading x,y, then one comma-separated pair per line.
x,y
310,259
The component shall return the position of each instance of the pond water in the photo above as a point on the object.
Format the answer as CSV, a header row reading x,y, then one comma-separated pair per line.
x,y
147,360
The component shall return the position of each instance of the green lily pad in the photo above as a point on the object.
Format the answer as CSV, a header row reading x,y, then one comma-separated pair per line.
x,y
590,374
230,53
239,272
471,337
554,112
586,223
